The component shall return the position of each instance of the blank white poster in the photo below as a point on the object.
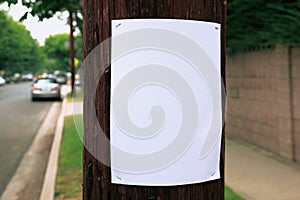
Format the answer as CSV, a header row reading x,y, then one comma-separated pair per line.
x,y
166,105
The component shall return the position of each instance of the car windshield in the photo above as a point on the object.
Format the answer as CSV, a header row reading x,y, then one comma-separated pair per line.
x,y
43,81
61,75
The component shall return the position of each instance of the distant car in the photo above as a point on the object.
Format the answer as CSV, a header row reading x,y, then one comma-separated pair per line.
x,y
27,77
51,76
45,75
8,78
61,78
45,88
16,77
2,81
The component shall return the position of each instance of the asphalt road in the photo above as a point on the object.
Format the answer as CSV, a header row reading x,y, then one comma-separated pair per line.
x,y
20,120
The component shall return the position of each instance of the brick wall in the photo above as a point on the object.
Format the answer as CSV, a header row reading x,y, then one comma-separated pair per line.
x,y
263,99
296,99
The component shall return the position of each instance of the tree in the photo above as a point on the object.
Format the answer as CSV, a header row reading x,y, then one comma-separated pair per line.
x,y
19,51
262,22
9,1
57,50
47,9
44,9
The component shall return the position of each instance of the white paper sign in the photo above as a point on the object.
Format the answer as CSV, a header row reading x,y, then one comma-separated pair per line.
x,y
166,115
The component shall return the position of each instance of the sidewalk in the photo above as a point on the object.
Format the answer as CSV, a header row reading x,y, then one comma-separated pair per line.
x,y
255,175
68,108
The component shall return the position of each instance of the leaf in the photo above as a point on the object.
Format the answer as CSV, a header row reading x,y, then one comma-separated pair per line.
x,y
24,17
262,22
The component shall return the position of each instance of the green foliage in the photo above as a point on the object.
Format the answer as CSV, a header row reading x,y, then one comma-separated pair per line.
x,y
9,1
45,9
262,23
19,52
57,50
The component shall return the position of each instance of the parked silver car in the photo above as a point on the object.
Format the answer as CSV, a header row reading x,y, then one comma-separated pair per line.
x,y
27,77
45,88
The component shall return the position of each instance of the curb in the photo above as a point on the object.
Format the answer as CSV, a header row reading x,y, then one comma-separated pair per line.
x,y
48,189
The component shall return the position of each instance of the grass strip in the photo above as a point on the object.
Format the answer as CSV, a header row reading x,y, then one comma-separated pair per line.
x,y
69,175
231,195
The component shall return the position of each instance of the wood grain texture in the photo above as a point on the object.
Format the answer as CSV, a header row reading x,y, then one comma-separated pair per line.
x,y
97,28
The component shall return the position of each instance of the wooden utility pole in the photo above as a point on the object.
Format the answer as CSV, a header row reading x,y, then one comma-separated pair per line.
x,y
72,66
97,28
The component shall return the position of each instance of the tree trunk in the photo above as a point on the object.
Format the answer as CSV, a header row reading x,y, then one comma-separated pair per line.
x,y
96,28
72,67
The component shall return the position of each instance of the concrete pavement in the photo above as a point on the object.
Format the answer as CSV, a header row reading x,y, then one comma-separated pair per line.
x,y
256,175
20,120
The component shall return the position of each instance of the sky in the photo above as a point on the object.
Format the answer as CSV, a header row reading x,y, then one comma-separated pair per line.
x,y
38,30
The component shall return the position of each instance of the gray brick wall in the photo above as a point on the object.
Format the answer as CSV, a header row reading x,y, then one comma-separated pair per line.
x,y
259,99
